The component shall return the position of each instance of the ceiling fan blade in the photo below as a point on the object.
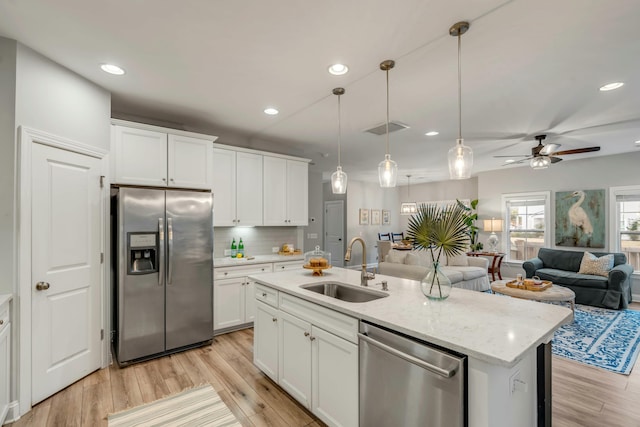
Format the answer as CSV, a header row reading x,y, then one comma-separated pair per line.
x,y
517,162
548,149
516,155
555,159
576,151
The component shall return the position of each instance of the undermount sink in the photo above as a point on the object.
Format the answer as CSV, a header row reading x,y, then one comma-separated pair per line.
x,y
344,292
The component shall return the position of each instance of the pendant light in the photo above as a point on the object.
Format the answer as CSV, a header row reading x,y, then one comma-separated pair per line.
x,y
387,169
339,178
460,156
408,208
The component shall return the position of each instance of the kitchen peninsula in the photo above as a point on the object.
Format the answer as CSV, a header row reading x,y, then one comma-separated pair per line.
x,y
504,339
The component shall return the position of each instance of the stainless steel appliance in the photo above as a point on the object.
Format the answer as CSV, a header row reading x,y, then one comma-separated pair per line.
x,y
406,382
163,260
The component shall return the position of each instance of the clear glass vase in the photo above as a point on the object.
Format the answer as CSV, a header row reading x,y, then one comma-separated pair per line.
x,y
436,285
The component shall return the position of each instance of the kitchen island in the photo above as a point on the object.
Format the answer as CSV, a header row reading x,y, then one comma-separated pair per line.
x,y
502,337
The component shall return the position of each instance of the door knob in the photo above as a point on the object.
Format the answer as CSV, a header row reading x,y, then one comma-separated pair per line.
x,y
42,286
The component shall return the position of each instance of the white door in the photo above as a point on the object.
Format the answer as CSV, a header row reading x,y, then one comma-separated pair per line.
x,y
228,299
224,187
265,340
275,194
248,189
334,231
297,193
294,358
141,156
189,162
66,311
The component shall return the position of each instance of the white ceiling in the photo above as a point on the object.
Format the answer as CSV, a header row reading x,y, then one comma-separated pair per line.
x,y
528,67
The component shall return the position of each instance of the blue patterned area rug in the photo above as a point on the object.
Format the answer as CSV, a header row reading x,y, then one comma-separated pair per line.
x,y
607,339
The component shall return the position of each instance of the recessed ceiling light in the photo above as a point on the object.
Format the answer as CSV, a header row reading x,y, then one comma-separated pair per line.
x,y
638,142
112,69
509,161
338,69
432,133
271,111
611,86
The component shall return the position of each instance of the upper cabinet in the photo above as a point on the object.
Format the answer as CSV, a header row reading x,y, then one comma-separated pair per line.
x,y
161,159
237,189
285,191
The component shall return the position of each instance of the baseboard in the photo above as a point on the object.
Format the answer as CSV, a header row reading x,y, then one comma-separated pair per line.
x,y
13,414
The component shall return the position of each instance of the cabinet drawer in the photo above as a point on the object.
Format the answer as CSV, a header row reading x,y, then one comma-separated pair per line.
x,y
241,271
266,295
288,265
337,323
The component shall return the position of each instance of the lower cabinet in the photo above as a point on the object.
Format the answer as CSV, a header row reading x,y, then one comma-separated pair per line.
x,y
316,367
5,359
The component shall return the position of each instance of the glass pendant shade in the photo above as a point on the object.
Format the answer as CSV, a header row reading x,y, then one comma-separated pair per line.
x,y
460,161
339,181
541,162
387,172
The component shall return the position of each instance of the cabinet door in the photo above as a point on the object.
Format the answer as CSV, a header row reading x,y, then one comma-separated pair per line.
x,y
297,193
249,300
248,189
228,303
5,358
334,378
294,358
140,156
190,162
275,194
265,340
224,187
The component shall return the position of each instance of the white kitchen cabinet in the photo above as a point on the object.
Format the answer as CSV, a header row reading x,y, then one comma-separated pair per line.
x,y
5,360
265,347
294,357
234,295
237,188
288,265
285,192
156,157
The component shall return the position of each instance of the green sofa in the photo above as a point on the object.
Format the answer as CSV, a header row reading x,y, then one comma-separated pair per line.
x,y
561,267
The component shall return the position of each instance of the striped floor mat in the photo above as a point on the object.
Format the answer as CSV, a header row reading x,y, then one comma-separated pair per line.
x,y
200,406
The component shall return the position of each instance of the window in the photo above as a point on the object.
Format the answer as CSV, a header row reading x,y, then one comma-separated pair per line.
x,y
527,224
625,205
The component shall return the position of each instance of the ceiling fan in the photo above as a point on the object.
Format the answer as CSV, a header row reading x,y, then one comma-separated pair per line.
x,y
543,155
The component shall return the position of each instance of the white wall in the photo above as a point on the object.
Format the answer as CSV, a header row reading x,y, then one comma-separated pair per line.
x,y
369,196
316,213
591,174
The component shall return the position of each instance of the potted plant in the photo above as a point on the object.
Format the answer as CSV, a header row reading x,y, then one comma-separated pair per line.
x,y
439,231
470,220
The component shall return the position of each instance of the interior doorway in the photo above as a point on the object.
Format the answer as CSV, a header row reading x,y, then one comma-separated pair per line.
x,y
334,231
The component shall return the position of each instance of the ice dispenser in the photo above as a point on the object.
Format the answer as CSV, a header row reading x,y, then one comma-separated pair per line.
x,y
142,251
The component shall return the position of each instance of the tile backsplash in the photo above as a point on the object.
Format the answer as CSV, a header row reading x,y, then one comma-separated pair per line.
x,y
257,240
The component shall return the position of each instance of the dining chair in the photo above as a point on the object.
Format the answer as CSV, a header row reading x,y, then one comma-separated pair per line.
x,y
397,237
384,236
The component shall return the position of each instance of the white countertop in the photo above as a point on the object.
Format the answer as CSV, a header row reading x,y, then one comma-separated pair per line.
x,y
4,298
492,328
257,259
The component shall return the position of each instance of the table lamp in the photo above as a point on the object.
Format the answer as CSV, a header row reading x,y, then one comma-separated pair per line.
x,y
493,225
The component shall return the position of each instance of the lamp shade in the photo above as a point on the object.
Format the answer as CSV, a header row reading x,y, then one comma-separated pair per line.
x,y
492,225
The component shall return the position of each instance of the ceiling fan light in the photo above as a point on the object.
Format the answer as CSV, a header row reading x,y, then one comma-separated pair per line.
x,y
460,161
541,162
387,172
339,181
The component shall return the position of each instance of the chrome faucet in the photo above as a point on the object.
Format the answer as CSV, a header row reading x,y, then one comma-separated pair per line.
x,y
364,275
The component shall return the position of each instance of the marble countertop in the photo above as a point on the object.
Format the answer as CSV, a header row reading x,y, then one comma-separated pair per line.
x,y
257,259
4,298
492,328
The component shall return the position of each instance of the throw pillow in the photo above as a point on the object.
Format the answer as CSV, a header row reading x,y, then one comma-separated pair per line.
x,y
396,257
460,260
591,264
412,259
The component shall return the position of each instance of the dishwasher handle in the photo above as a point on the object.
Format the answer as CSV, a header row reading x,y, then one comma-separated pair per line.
x,y
446,373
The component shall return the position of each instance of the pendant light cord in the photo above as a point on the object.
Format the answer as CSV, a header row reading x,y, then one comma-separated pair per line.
x,y
387,112
459,86
339,131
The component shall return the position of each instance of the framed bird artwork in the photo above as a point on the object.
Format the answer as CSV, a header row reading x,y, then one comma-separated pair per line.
x,y
580,218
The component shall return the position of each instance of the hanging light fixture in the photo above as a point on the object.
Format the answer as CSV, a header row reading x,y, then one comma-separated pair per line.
x,y
460,156
540,162
339,178
387,169
408,208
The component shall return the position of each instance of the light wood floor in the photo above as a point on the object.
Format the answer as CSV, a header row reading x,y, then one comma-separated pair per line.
x,y
582,396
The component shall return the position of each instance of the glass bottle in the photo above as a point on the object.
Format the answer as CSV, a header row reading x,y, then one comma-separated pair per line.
x,y
241,248
234,248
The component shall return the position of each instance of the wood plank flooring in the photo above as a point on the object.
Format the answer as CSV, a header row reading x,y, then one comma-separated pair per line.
x,y
582,396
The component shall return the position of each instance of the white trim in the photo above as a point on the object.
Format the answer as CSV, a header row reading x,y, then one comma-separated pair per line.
x,y
26,138
263,153
507,220
614,214
144,126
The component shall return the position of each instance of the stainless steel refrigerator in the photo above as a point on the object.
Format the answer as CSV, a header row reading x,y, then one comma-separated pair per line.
x,y
163,257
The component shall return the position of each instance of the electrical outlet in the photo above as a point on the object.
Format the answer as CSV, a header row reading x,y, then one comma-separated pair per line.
x,y
227,252
275,249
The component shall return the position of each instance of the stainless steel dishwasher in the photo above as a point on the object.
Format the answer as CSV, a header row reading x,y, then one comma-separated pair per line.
x,y
407,382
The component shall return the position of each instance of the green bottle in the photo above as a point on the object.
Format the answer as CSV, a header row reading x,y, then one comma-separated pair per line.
x,y
241,248
234,248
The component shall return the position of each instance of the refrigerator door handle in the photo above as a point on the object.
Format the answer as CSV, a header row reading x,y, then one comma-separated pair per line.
x,y
161,247
170,250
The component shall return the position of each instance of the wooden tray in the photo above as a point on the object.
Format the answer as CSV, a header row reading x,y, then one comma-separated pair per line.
x,y
528,285
317,271
295,252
